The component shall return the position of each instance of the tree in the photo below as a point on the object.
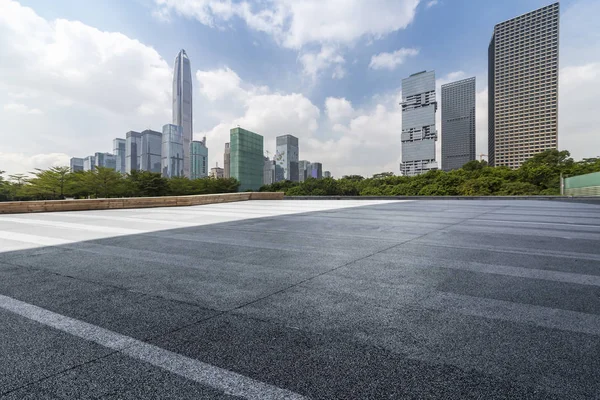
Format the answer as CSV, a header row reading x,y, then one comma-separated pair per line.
x,y
50,183
145,184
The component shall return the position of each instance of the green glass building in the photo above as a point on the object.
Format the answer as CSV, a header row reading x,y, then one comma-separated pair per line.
x,y
246,159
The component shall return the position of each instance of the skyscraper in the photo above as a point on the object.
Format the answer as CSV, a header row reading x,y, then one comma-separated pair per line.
x,y
172,151
227,161
316,170
303,170
133,148
89,163
105,160
247,160
418,124
269,171
119,151
199,159
286,157
143,151
326,174
458,124
523,87
182,104
76,164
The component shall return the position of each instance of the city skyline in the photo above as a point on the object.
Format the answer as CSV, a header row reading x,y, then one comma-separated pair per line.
x,y
330,121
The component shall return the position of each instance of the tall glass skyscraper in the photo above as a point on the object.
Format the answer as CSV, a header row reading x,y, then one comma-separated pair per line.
x,y
119,152
523,87
247,159
105,160
143,151
303,170
286,157
458,124
172,151
89,163
418,123
199,159
226,161
316,170
76,164
182,105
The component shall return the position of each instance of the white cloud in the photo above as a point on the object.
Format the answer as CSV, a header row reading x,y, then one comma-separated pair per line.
x,y
14,163
92,85
314,63
431,3
391,60
326,24
20,108
338,109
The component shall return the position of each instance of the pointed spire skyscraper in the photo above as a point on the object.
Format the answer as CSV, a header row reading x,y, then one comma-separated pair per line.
x,y
182,104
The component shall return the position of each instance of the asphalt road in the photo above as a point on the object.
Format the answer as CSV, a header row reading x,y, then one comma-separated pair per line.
x,y
303,299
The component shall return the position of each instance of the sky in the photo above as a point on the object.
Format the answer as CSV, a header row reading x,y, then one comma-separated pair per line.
x,y
74,74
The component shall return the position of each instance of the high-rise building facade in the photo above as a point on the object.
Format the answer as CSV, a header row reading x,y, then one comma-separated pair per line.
x,y
523,87
247,160
269,171
303,170
172,151
458,124
76,164
199,159
105,160
286,157
316,170
133,148
89,163
326,174
419,133
143,151
226,161
120,152
182,104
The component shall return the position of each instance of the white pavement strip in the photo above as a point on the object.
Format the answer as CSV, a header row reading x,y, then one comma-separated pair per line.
x,y
49,229
229,382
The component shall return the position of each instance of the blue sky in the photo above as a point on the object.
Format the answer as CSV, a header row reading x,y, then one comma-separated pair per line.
x,y
328,72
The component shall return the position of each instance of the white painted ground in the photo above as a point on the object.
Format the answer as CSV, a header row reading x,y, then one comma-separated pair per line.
x,y
26,231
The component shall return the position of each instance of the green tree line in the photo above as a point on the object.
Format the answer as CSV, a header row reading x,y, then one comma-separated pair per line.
x,y
59,183
540,175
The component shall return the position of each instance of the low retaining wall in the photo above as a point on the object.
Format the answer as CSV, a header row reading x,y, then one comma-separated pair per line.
x,y
14,207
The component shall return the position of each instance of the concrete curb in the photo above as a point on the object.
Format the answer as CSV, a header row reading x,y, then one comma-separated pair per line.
x,y
15,207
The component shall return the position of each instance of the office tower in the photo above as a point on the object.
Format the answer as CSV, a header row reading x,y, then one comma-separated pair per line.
x,y
119,151
151,151
316,170
418,124
458,124
286,156
89,163
199,159
182,104
247,160
523,87
133,147
216,172
269,171
172,151
303,170
143,151
326,174
227,162
76,164
105,160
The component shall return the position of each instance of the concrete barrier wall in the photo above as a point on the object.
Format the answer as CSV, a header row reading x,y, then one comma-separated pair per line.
x,y
14,207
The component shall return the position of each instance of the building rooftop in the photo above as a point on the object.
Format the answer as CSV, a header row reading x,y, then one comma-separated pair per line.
x,y
303,299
